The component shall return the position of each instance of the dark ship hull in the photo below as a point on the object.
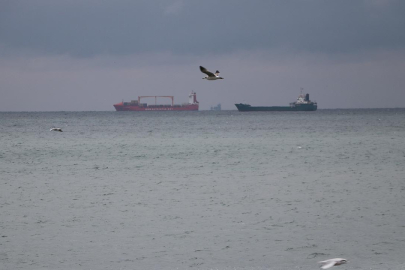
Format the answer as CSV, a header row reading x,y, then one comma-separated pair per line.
x,y
297,108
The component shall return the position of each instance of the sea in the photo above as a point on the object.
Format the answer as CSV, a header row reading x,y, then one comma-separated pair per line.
x,y
222,190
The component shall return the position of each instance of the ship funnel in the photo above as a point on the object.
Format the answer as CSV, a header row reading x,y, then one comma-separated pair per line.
x,y
307,97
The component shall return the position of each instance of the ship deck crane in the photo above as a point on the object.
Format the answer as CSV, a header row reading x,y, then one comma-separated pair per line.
x,y
139,98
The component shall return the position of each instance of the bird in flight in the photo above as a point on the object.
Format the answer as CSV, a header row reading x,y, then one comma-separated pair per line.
x,y
210,76
56,129
332,262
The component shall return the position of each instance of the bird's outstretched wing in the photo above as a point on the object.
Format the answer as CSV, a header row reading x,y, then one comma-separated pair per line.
x,y
204,70
328,265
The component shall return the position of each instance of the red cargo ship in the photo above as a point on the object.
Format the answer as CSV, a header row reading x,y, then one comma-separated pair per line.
x,y
136,105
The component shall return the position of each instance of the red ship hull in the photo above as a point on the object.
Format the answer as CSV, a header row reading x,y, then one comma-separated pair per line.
x,y
122,107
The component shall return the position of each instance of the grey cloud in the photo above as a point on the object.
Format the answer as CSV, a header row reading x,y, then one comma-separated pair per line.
x,y
89,28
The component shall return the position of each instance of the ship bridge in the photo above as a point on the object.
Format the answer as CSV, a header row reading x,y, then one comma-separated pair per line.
x,y
192,98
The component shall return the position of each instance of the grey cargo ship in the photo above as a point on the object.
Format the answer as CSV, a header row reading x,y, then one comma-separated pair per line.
x,y
303,103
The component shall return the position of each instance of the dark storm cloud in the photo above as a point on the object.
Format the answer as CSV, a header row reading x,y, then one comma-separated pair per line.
x,y
87,28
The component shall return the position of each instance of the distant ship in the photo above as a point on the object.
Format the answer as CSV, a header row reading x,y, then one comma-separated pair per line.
x,y
216,108
136,105
303,103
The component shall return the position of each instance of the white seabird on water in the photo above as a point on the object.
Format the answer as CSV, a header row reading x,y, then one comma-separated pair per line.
x,y
332,262
210,76
56,129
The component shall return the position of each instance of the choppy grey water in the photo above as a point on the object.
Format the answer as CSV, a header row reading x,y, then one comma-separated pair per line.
x,y
202,190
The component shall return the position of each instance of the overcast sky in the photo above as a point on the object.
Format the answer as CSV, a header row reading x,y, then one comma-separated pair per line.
x,y
90,54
